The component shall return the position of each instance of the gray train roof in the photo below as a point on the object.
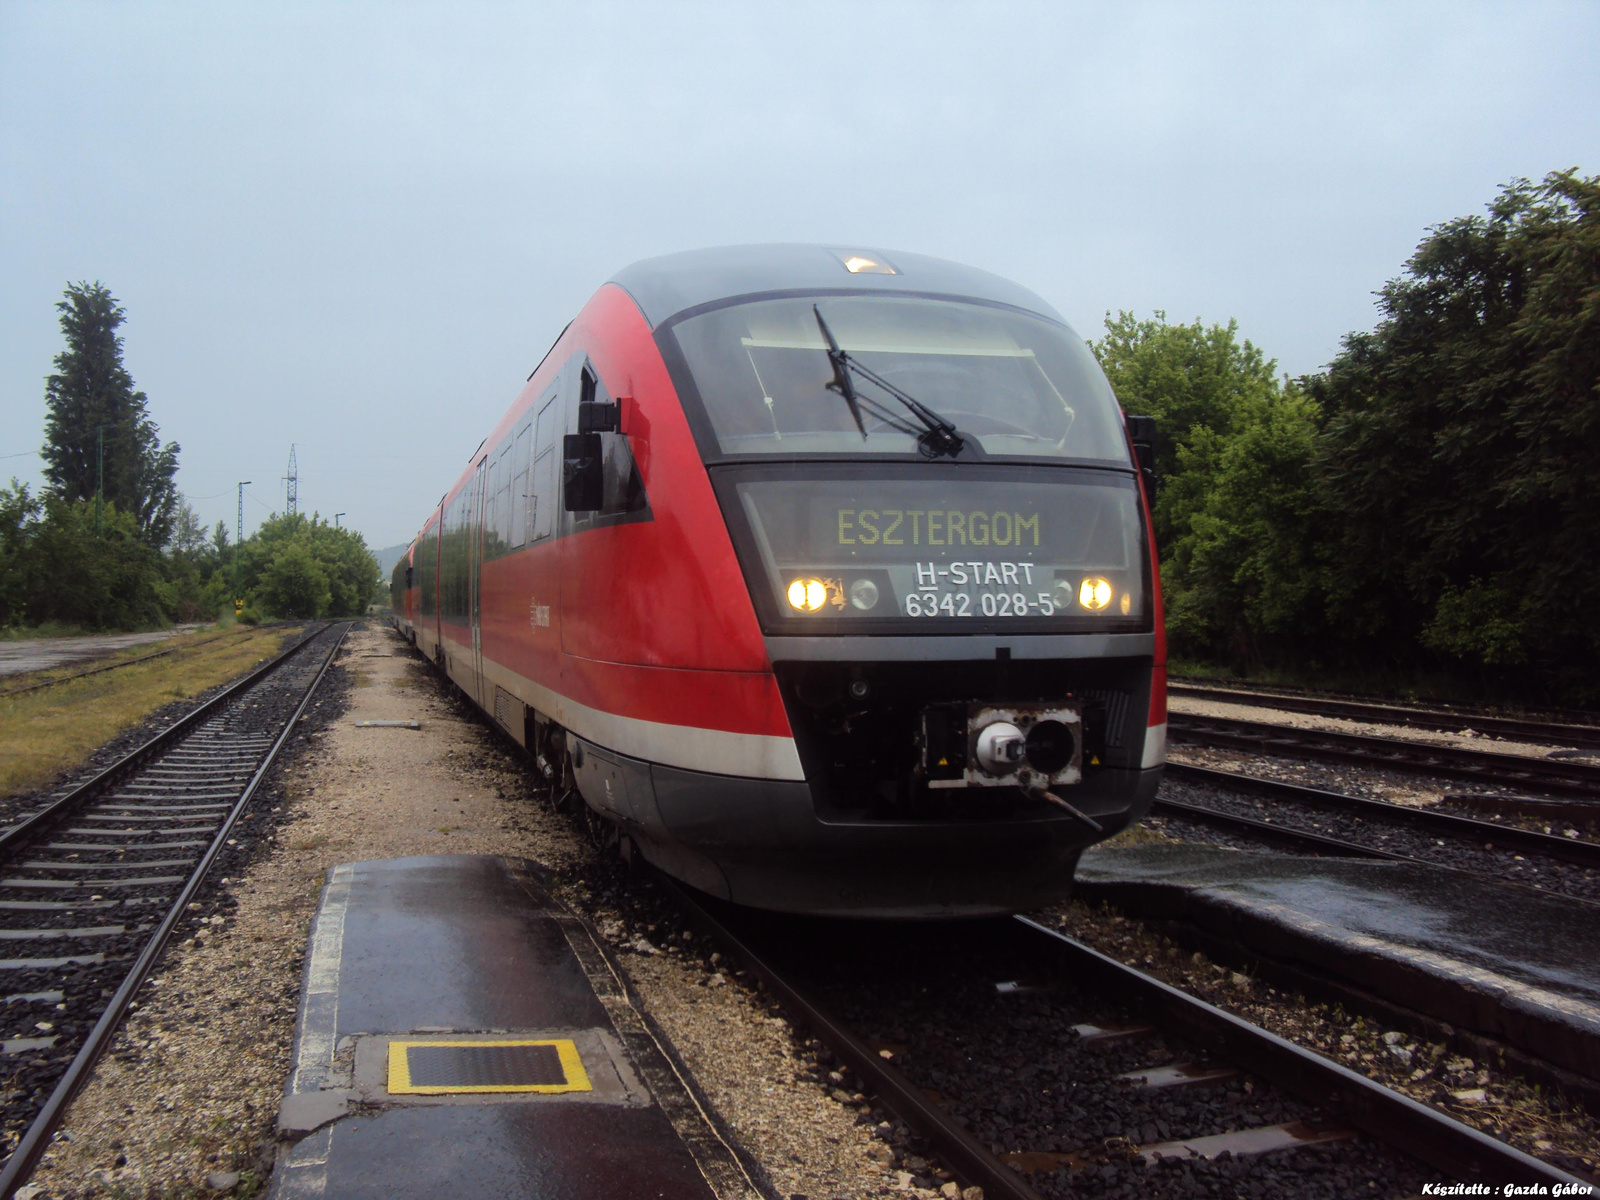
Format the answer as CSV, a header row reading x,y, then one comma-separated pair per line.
x,y
663,287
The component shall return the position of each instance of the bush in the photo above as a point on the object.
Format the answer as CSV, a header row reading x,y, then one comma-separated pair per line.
x,y
349,572
65,562
294,583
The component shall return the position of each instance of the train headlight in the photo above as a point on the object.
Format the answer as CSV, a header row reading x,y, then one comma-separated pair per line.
x,y
863,594
808,595
1094,593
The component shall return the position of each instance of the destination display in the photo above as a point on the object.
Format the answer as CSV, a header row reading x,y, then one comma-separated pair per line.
x,y
958,550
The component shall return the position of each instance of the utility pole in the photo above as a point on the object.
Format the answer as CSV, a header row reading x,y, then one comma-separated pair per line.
x,y
291,487
238,549
336,517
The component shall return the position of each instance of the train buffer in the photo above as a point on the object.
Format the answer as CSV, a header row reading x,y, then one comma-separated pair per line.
x,y
462,1034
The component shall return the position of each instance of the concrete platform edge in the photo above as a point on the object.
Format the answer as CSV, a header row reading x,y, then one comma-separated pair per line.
x,y
316,1096
702,1128
1567,1050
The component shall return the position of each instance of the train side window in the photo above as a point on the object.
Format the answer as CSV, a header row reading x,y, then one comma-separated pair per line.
x,y
545,461
520,499
502,508
489,549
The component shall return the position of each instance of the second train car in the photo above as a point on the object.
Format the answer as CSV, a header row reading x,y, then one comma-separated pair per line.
x,y
825,574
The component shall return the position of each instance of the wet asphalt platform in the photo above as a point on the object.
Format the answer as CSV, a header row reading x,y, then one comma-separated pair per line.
x,y
462,1034
1508,963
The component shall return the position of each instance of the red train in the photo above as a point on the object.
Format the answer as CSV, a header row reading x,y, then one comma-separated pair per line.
x,y
824,574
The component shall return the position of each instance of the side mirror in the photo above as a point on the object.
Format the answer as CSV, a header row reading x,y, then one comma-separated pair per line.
x,y
582,472
595,417
408,575
1142,433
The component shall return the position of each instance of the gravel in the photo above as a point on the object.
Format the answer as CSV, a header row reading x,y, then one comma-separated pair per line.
x,y
192,1086
1466,738
1008,1066
1540,1121
71,999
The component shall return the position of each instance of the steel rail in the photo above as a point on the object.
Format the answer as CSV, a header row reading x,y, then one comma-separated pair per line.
x,y
1525,729
968,1158
1558,716
1397,1120
63,806
1267,830
1450,762
1574,850
1392,1118
36,1140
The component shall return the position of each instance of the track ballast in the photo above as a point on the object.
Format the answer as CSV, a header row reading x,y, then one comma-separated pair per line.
x,y
94,882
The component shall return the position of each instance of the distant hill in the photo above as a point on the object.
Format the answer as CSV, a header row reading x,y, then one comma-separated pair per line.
x,y
387,557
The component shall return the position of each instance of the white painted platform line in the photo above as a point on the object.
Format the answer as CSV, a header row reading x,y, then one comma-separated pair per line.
x,y
314,1039
303,1175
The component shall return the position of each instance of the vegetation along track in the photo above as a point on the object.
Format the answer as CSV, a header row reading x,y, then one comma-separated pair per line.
x,y
1323,822
1449,762
111,666
1570,728
1034,1066
93,884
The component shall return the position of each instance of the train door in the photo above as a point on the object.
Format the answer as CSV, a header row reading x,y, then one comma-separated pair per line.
x,y
411,591
435,564
474,578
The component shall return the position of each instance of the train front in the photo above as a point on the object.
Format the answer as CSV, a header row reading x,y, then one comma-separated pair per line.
x,y
942,528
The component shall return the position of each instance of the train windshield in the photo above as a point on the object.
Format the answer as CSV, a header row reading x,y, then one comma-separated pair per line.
x,y
980,546
1018,385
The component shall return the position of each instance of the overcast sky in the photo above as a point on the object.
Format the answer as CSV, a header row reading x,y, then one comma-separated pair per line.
x,y
357,227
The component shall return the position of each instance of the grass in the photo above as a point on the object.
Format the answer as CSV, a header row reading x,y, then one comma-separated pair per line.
x,y
81,666
1138,835
44,732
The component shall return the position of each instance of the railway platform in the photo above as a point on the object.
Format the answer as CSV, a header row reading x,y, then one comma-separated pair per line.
x,y
1505,963
461,1033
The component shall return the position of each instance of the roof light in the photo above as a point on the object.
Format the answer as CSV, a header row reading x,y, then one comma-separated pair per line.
x,y
864,264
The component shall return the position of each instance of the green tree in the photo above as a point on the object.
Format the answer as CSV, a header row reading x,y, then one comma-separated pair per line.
x,y
1246,580
66,564
91,397
1194,380
349,570
19,515
1463,441
294,583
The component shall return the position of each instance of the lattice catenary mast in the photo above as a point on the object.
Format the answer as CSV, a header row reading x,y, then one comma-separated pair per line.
x,y
291,485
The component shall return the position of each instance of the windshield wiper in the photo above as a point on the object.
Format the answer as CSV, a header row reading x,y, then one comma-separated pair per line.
x,y
937,437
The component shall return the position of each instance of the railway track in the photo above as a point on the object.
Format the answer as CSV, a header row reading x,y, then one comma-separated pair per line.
x,y
94,883
1295,803
1477,766
1035,1066
1570,727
